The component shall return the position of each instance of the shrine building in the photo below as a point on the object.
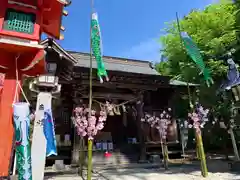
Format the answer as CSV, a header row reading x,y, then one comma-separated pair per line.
x,y
134,85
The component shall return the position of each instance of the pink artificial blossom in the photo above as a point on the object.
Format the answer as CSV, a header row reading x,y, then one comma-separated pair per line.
x,y
88,125
198,118
160,123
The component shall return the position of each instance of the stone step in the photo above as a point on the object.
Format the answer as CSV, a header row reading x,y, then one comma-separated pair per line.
x,y
115,158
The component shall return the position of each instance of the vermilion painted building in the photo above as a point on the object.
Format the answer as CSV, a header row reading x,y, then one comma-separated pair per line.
x,y
21,24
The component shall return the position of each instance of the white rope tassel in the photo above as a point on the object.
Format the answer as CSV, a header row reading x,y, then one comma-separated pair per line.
x,y
18,85
16,98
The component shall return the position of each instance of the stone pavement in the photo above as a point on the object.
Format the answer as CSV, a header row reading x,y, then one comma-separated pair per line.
x,y
218,170
175,173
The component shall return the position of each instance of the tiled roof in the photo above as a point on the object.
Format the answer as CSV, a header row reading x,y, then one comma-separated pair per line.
x,y
112,63
116,64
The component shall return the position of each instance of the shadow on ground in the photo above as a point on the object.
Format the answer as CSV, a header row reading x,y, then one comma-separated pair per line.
x,y
141,171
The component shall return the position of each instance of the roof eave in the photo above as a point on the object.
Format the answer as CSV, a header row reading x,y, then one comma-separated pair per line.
x,y
59,49
65,2
182,83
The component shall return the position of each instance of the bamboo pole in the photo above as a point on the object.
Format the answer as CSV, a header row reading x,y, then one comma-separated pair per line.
x,y
182,140
235,149
89,170
197,150
232,124
199,143
201,154
166,150
90,142
81,157
164,154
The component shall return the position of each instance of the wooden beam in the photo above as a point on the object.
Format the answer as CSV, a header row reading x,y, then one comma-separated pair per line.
x,y
121,85
98,95
124,79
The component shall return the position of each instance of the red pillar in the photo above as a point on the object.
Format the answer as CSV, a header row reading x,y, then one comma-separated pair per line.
x,y
6,121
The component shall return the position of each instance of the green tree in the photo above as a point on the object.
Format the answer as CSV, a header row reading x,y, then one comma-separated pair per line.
x,y
213,29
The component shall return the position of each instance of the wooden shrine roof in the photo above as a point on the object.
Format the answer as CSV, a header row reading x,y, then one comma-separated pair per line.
x,y
56,47
124,65
116,64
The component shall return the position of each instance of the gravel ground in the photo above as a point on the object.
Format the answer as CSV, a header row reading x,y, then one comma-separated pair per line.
x,y
218,170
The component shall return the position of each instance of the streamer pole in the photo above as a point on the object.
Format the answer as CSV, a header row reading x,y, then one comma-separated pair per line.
x,y
90,143
188,88
199,145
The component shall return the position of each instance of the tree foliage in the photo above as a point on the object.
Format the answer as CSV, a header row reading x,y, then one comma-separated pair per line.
x,y
213,29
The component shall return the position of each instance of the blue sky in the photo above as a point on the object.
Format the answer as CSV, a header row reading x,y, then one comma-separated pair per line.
x,y
130,28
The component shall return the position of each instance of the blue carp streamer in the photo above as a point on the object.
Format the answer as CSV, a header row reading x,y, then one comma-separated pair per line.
x,y
49,132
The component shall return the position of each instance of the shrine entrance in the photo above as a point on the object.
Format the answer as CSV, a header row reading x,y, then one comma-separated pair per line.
x,y
123,132
114,125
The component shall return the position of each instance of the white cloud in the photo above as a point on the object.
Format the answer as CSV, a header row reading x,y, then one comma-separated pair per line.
x,y
146,50
212,1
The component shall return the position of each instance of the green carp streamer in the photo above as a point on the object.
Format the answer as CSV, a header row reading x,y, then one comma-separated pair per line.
x,y
96,47
21,113
194,53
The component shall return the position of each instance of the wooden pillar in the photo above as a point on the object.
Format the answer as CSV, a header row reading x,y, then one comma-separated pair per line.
x,y
173,96
6,121
141,137
75,139
78,154
76,148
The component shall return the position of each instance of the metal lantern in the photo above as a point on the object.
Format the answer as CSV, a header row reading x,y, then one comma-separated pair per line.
x,y
47,81
52,68
50,79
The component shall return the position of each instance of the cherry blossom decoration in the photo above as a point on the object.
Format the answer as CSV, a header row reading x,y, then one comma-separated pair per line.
x,y
198,118
183,124
160,123
2,77
88,126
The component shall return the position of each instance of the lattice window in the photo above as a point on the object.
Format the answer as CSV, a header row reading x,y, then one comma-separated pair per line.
x,y
19,21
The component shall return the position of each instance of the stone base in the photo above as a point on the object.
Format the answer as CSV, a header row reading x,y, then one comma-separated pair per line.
x,y
59,165
15,177
234,166
155,159
143,161
6,178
